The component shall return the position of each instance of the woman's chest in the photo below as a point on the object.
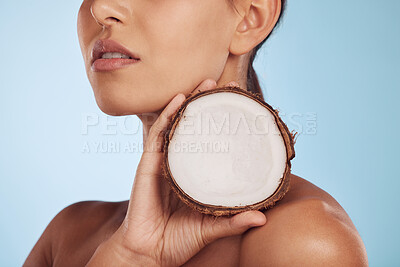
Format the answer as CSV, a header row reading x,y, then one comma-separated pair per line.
x,y
224,252
221,253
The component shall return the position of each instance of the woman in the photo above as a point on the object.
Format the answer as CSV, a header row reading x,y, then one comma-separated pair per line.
x,y
144,57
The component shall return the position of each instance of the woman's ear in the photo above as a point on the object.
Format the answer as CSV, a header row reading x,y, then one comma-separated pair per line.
x,y
256,20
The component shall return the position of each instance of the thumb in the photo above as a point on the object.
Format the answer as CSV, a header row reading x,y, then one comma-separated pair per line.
x,y
230,226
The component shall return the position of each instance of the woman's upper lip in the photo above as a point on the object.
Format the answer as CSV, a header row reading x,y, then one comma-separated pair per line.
x,y
108,46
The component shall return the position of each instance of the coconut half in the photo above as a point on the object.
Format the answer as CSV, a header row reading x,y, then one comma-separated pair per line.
x,y
227,151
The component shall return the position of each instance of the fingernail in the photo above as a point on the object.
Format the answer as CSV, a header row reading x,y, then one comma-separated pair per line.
x,y
213,83
254,225
260,221
233,84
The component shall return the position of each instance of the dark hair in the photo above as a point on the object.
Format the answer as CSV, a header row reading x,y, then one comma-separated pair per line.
x,y
253,84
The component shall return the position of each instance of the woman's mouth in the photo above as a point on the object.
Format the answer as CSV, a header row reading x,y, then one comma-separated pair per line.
x,y
108,55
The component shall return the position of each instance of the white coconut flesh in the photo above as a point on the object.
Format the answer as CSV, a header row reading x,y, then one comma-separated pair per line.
x,y
227,150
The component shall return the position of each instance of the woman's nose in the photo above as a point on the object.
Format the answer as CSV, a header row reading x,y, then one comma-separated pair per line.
x,y
109,12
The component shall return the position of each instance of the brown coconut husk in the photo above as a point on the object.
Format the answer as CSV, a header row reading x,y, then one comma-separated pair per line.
x,y
267,203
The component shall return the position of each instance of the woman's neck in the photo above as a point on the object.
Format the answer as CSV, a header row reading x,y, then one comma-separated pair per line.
x,y
235,70
148,120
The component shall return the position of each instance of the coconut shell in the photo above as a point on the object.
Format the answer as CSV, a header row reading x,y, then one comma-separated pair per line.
x,y
268,203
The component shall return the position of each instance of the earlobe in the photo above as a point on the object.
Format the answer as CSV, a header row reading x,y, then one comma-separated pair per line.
x,y
258,21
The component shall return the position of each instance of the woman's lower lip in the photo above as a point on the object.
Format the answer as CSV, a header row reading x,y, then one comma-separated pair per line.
x,y
111,64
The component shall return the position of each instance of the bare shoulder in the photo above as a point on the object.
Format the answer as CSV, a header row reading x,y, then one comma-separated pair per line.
x,y
308,227
83,224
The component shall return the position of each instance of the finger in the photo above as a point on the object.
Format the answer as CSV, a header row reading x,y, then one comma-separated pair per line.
x,y
147,192
147,182
155,138
205,85
210,84
233,84
238,224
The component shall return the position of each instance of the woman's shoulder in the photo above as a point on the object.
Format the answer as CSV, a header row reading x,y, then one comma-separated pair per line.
x,y
88,221
307,227
80,227
88,217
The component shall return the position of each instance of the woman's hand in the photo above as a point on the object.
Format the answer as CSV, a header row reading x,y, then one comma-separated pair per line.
x,y
159,229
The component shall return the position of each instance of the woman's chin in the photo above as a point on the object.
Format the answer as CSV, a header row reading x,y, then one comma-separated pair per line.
x,y
114,107
113,111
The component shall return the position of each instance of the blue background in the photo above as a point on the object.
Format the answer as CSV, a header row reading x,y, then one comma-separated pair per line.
x,y
332,68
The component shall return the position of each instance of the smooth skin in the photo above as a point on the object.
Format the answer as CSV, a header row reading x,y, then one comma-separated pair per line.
x,y
186,46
